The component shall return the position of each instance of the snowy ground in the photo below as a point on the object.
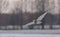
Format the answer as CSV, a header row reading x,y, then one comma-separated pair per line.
x,y
33,31
30,31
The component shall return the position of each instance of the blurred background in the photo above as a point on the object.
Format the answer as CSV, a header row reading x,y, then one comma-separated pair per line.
x,y
29,14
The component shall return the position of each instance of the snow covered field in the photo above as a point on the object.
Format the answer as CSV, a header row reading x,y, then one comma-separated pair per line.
x,y
30,31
